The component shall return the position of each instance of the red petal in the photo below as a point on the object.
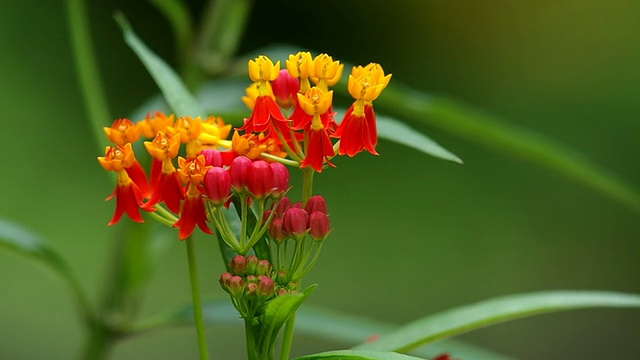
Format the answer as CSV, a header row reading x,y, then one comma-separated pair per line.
x,y
128,199
136,173
193,213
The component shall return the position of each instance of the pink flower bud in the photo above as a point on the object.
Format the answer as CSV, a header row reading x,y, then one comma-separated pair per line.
x,y
280,179
316,203
266,287
276,230
281,291
282,278
238,171
296,222
250,290
285,88
224,280
217,185
263,268
236,286
212,157
251,279
238,265
318,225
260,179
252,262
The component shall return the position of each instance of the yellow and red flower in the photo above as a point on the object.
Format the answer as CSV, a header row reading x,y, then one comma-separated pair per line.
x,y
319,149
166,186
192,172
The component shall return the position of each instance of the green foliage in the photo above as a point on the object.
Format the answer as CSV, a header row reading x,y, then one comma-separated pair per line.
x,y
465,318
358,355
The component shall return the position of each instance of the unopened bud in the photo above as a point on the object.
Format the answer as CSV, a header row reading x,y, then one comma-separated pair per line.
x,y
316,203
238,265
238,171
318,225
259,179
251,279
212,157
280,179
263,268
252,262
296,222
250,290
283,205
236,286
217,185
285,87
281,277
281,291
224,280
276,231
266,287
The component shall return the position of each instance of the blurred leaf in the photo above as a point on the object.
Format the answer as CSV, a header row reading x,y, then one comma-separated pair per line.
x,y
358,355
178,16
316,323
277,312
172,87
394,130
28,244
470,317
496,133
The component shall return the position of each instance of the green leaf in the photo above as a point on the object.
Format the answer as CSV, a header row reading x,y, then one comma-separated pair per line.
x,y
470,317
175,93
358,355
26,243
393,130
498,134
277,312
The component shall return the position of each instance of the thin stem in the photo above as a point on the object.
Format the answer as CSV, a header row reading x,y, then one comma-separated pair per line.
x,y
197,304
280,160
88,75
287,339
307,184
243,220
248,332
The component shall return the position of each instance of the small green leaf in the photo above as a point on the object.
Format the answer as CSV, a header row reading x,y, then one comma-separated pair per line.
x,y
470,317
175,93
394,130
277,312
358,355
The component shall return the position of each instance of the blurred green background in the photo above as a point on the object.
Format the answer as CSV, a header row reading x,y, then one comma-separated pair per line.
x,y
413,235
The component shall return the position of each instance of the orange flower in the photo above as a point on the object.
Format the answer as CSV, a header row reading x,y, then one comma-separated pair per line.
x,y
151,125
192,172
165,184
122,131
128,195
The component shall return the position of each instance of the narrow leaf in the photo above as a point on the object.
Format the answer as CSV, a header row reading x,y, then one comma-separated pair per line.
x,y
466,318
393,130
358,355
175,93
498,134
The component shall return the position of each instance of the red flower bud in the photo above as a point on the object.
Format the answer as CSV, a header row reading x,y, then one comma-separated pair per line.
x,y
316,203
238,171
318,225
285,88
282,278
276,230
212,157
296,222
217,185
280,179
266,287
238,265
260,179
250,290
283,205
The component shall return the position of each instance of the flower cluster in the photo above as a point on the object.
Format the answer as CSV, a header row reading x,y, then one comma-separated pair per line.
x,y
212,171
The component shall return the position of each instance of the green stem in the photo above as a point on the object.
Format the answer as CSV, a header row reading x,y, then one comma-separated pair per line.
x,y
197,304
251,342
88,76
287,339
98,343
307,184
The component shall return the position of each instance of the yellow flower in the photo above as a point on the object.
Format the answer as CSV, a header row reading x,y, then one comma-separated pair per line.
x,y
315,101
122,131
263,69
366,83
325,72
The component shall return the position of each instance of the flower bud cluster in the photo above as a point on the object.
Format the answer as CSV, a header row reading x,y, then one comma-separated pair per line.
x,y
292,221
249,283
258,178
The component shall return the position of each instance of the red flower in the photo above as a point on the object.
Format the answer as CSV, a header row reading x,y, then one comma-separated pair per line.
x,y
319,148
128,199
357,131
192,214
264,111
167,188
